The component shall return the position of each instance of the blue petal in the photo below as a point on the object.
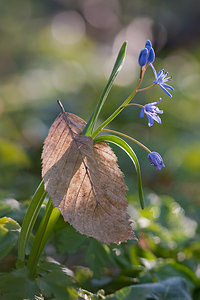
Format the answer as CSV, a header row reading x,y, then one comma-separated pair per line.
x,y
151,121
155,103
168,86
143,57
158,111
142,113
154,71
164,89
148,108
152,103
148,44
151,55
154,116
160,73
159,101
156,160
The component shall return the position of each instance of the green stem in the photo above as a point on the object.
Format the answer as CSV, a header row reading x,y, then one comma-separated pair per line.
x,y
46,226
29,221
128,137
121,107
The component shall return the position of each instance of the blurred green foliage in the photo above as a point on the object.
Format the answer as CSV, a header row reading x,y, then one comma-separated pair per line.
x,y
64,49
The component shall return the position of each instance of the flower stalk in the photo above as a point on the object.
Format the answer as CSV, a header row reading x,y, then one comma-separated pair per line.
x,y
121,107
128,137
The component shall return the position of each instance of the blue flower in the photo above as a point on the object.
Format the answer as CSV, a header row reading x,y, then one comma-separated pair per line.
x,y
146,55
151,111
156,160
161,78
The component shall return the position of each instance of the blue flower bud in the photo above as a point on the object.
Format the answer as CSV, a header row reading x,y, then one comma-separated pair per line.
x,y
156,160
148,45
143,57
151,55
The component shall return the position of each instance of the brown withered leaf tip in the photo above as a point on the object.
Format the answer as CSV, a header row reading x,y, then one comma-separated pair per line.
x,y
85,182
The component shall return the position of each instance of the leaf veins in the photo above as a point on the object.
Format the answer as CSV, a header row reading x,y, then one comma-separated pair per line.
x,y
85,182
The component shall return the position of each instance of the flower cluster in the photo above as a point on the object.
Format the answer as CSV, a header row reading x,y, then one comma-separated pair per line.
x,y
145,59
147,55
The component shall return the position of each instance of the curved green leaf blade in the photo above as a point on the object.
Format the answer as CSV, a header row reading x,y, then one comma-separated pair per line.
x,y
169,289
29,220
47,224
123,145
117,67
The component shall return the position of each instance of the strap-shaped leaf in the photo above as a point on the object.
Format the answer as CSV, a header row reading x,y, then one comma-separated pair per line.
x,y
123,145
30,219
117,67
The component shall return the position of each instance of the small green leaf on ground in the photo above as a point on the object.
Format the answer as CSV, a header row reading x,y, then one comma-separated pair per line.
x,y
9,231
173,288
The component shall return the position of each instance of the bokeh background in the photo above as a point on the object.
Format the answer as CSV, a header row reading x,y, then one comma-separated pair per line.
x,y
65,49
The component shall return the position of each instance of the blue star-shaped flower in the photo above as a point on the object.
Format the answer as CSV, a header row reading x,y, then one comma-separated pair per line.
x,y
161,78
156,160
151,110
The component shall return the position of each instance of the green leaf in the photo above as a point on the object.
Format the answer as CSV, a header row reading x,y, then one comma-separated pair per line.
x,y
83,276
173,268
9,231
54,281
123,145
9,224
117,67
29,220
69,240
45,230
12,208
98,256
17,285
170,289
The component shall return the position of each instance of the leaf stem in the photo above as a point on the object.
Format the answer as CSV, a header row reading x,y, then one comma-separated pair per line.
x,y
61,106
121,107
128,137
49,219
29,221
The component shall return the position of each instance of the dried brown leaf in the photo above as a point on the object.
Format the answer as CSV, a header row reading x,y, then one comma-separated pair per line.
x,y
85,182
